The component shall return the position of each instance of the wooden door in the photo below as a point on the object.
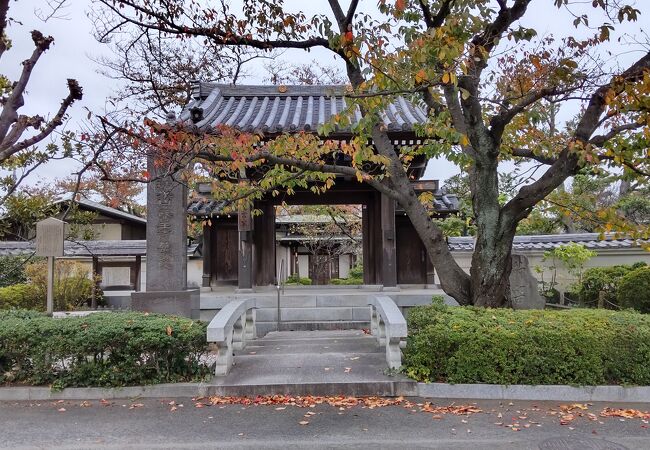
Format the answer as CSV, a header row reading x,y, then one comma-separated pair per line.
x,y
226,252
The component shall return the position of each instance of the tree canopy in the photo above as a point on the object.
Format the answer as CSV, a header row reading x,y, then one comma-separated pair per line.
x,y
491,85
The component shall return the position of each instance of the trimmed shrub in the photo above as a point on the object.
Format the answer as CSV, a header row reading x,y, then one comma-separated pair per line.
x,y
21,296
503,346
634,290
346,281
294,280
356,271
602,279
101,349
72,288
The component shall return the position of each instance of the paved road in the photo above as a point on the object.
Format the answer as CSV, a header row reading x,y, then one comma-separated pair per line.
x,y
158,424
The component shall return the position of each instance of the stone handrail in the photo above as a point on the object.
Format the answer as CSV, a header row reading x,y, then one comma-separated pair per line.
x,y
388,325
233,325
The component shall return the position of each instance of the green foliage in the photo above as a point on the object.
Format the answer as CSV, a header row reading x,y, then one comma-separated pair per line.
x,y
356,271
21,296
601,279
72,288
347,281
478,345
12,270
572,256
101,349
634,290
295,280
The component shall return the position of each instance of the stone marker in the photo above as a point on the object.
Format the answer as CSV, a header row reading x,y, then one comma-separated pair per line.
x,y
524,292
166,290
50,234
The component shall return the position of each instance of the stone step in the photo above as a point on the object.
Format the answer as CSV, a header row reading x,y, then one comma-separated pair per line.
x,y
338,367
326,346
342,313
365,388
265,327
294,335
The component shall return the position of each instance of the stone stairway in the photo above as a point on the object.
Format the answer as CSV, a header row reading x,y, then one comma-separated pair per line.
x,y
312,308
346,362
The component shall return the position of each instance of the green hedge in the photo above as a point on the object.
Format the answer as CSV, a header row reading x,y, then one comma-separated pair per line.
x,y
101,349
294,280
602,279
346,281
634,290
502,346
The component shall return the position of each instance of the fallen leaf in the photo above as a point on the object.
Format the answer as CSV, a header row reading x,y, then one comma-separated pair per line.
x,y
303,422
61,409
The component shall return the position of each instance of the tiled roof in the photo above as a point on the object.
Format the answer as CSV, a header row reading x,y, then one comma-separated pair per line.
x,y
86,248
106,210
278,109
551,241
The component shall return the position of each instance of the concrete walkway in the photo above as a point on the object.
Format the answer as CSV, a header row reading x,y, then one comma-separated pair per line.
x,y
346,362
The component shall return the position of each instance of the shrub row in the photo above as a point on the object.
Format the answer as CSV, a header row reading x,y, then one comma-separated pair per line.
x,y
606,280
101,349
346,281
577,347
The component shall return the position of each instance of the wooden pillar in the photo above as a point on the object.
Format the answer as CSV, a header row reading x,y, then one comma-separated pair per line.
x,y
245,260
365,244
93,300
138,273
264,245
389,258
376,241
207,254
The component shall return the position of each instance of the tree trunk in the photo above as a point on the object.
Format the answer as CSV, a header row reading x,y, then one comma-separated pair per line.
x,y
490,273
491,263
453,279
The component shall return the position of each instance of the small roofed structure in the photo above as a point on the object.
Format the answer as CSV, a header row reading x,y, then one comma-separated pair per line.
x,y
240,249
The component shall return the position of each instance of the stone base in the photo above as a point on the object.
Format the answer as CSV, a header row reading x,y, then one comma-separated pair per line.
x,y
179,303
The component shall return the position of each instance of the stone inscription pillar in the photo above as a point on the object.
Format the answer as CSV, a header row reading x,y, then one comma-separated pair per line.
x,y
166,286
166,235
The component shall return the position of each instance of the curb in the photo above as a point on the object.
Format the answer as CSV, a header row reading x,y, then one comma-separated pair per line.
x,y
632,394
637,394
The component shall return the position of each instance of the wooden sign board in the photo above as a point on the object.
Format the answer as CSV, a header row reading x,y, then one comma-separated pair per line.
x,y
50,234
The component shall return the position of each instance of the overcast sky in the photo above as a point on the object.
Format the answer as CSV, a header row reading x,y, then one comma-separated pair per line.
x,y
74,50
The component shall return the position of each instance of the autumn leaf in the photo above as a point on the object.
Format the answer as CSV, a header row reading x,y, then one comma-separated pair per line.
x,y
169,330
420,76
400,5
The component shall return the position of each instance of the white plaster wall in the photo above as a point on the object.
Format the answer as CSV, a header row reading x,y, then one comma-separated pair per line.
x,y
282,254
564,278
303,264
116,276
194,273
344,266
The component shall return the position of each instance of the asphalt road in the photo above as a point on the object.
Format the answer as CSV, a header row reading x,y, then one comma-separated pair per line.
x,y
180,424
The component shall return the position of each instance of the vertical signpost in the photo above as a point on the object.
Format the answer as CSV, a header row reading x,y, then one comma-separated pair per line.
x,y
50,234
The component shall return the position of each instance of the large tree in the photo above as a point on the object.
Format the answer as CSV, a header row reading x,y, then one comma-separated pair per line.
x,y
485,79
22,134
